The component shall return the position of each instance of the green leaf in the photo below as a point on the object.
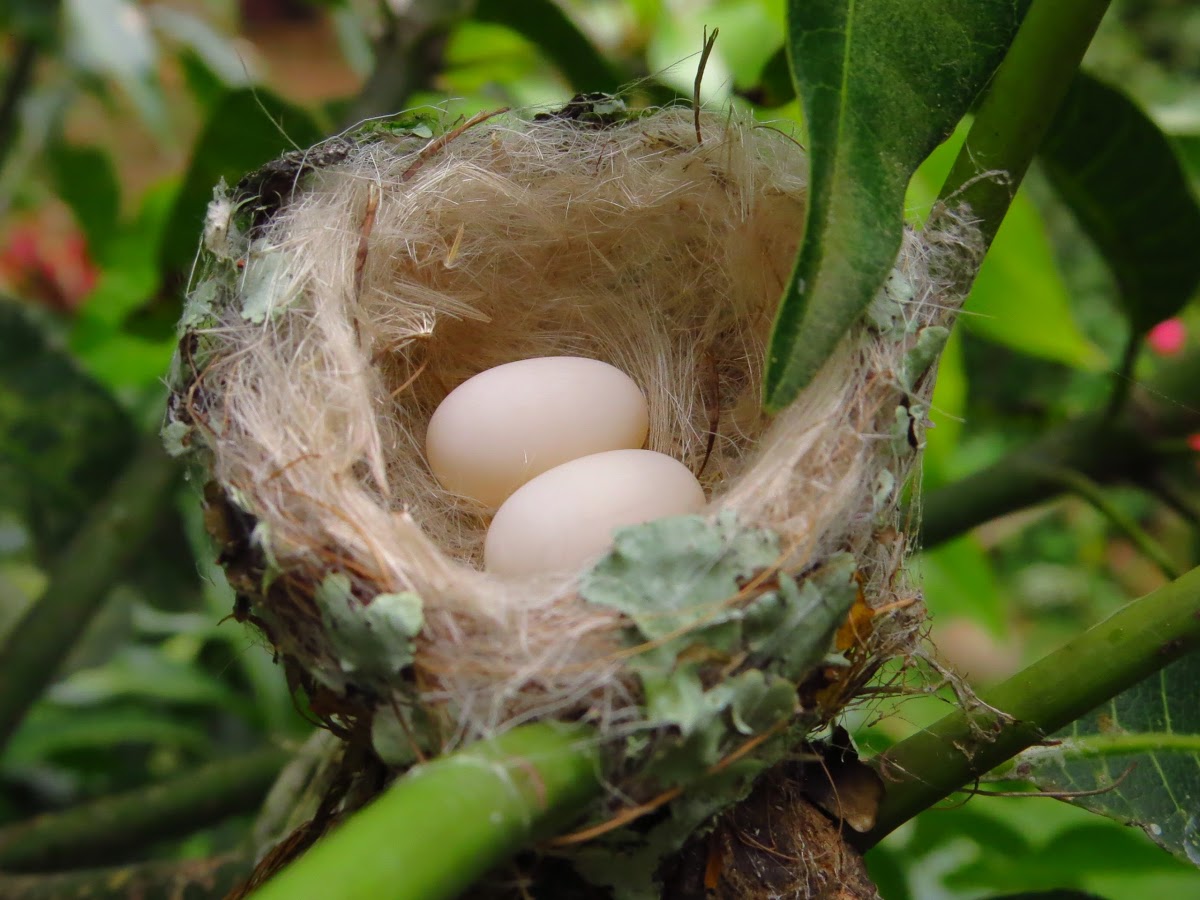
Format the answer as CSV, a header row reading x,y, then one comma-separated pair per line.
x,y
775,87
145,673
959,580
215,50
545,24
50,731
245,130
85,180
882,84
1142,751
1066,859
112,39
1019,298
63,438
1119,175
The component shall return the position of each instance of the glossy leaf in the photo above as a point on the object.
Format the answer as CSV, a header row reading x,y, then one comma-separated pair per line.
x,y
882,84
1143,749
85,180
545,24
245,130
62,437
1119,174
1019,298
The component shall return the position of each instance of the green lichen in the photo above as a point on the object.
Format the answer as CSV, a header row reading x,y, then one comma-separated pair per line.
x,y
373,639
885,312
676,574
719,665
418,125
199,310
176,437
923,354
268,286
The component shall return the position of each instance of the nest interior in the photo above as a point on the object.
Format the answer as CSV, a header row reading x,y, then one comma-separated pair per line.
x,y
319,342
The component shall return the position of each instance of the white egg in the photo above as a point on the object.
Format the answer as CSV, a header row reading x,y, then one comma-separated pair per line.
x,y
566,516
506,425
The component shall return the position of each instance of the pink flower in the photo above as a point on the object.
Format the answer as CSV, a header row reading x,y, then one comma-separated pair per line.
x,y
1167,337
1193,441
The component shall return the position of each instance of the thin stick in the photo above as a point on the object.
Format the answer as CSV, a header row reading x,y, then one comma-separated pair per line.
x,y
364,238
439,142
709,40
1055,795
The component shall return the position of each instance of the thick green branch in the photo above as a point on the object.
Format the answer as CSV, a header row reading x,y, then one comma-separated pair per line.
x,y
446,823
99,554
1021,103
96,832
1137,641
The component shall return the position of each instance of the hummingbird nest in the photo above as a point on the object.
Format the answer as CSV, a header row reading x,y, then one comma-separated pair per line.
x,y
342,293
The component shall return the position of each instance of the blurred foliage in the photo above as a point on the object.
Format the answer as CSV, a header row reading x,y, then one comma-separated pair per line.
x,y
128,114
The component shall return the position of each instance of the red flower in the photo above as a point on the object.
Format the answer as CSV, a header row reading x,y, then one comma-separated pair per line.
x,y
45,265
1167,337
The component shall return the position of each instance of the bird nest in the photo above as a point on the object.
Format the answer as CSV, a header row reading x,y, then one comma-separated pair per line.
x,y
342,293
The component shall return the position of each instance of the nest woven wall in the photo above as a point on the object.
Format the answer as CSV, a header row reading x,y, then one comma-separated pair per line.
x,y
342,293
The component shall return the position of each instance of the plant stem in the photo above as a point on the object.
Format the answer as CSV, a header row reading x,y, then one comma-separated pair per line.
x,y
1024,478
194,879
1138,640
95,832
1097,448
99,554
445,823
20,76
1020,105
1088,490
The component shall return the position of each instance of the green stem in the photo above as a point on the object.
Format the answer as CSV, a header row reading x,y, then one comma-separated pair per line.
x,y
1092,746
96,832
1134,643
1086,445
94,560
1123,379
1095,447
1088,490
193,879
446,823
1020,105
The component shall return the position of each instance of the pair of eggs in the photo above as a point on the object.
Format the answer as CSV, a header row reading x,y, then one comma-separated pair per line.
x,y
553,445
